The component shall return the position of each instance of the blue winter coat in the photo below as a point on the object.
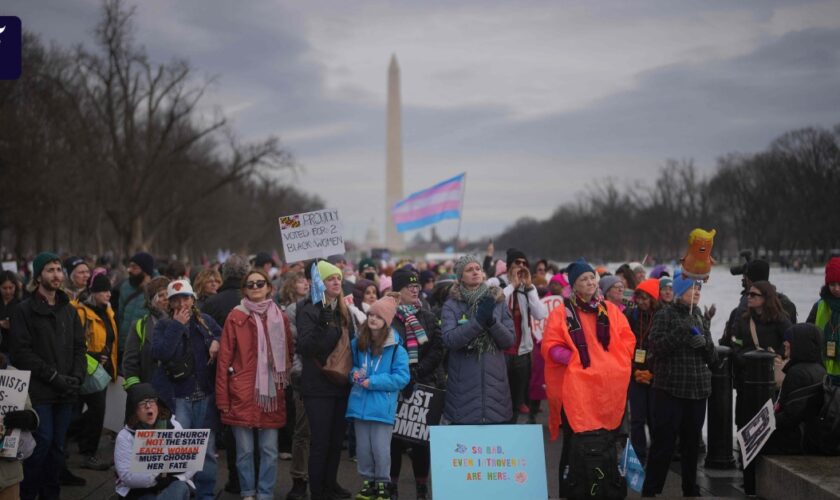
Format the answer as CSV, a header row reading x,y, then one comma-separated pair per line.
x,y
477,390
167,344
388,374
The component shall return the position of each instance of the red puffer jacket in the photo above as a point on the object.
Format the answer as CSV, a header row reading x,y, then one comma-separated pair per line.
x,y
235,390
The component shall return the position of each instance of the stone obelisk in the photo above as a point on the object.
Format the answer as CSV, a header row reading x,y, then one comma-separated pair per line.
x,y
394,162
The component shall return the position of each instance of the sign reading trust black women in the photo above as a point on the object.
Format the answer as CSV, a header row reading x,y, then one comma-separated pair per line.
x,y
419,411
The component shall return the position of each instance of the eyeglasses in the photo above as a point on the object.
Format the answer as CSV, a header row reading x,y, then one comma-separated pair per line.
x,y
414,288
255,284
754,295
147,403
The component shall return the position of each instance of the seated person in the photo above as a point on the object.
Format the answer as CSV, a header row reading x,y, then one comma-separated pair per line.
x,y
149,413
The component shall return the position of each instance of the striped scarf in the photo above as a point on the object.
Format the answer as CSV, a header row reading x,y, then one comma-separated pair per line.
x,y
415,335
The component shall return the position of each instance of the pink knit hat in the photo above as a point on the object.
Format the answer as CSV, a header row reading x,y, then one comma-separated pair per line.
x,y
501,267
385,308
384,283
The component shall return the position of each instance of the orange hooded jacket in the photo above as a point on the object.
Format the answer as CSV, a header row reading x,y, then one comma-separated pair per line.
x,y
595,397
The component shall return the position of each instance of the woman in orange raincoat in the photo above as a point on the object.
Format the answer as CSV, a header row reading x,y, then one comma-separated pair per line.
x,y
588,349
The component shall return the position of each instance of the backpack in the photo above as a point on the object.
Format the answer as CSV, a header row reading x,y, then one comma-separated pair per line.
x,y
593,467
828,420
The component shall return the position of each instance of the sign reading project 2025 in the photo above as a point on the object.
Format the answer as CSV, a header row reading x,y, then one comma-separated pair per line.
x,y
311,235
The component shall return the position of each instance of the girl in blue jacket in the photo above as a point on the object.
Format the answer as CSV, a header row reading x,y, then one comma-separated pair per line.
x,y
380,371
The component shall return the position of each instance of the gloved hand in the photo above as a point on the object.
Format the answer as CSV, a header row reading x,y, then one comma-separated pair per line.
x,y
484,311
65,384
25,420
697,341
560,354
643,376
164,481
327,315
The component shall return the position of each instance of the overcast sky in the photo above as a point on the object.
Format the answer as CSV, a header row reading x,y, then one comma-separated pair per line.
x,y
534,100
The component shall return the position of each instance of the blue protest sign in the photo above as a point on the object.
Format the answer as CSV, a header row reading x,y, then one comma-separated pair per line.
x,y
318,287
632,469
488,462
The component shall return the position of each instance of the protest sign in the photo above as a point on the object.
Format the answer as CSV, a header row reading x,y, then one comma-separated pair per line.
x,y
169,451
10,266
488,462
551,302
311,235
632,468
756,433
14,386
418,413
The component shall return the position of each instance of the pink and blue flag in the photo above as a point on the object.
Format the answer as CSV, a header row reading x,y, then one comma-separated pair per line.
x,y
439,202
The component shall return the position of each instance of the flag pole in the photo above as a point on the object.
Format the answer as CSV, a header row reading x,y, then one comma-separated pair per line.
x,y
460,211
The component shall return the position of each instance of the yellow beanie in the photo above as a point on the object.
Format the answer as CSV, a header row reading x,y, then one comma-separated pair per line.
x,y
325,269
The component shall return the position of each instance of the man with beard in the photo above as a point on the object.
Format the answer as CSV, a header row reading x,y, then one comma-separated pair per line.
x,y
48,340
131,305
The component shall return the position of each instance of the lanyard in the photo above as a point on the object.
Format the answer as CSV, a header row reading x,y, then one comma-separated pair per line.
x,y
367,362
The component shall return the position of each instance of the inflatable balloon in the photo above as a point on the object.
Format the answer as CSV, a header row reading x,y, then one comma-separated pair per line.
x,y
698,261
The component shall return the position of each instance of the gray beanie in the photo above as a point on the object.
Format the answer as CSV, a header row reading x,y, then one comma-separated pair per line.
x,y
461,263
608,282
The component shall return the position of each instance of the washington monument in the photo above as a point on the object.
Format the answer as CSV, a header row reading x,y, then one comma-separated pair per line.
x,y
394,161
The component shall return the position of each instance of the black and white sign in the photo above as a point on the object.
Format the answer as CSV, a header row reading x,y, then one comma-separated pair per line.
x,y
414,415
753,436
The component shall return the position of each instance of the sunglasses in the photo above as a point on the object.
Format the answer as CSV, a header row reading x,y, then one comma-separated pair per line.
x,y
255,284
754,295
520,262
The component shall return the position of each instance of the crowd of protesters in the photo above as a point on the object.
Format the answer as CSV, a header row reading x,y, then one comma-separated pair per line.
x,y
243,348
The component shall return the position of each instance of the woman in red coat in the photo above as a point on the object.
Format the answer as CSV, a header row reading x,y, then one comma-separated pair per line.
x,y
252,373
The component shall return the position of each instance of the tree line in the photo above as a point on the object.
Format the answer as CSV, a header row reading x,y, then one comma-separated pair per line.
x,y
104,149
779,202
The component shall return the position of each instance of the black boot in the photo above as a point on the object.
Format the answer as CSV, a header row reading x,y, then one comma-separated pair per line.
x,y
298,492
422,491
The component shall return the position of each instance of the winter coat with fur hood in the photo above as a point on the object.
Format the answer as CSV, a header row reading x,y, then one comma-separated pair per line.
x,y
477,390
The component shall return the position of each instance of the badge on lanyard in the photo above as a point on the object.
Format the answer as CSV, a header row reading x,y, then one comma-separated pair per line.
x,y
831,349
641,356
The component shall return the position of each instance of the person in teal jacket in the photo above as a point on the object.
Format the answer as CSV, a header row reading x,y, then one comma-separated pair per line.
x,y
380,371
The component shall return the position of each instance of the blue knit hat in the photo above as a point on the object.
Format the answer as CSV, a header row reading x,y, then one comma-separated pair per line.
x,y
681,285
577,268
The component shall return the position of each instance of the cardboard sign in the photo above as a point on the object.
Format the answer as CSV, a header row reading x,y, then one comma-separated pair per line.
x,y
418,413
551,302
169,451
753,436
632,469
311,235
488,462
14,386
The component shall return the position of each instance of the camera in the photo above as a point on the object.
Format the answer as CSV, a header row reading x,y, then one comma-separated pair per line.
x,y
740,269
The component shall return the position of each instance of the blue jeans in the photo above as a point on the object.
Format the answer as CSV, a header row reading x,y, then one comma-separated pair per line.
x,y
373,450
178,490
195,415
41,470
244,437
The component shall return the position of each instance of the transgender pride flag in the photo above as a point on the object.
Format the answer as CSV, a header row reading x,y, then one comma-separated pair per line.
x,y
439,202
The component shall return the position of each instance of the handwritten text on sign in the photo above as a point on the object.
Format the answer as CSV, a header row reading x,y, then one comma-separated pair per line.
x,y
416,413
163,451
488,462
14,386
311,235
551,302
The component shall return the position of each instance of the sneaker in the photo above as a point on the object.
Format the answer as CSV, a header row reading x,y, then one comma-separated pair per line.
x,y
93,463
382,491
367,492
298,492
523,409
285,455
67,478
339,492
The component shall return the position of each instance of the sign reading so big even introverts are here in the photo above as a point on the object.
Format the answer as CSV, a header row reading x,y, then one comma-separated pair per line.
x,y
488,462
169,451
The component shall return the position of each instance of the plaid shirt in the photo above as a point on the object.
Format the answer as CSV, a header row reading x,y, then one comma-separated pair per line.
x,y
679,369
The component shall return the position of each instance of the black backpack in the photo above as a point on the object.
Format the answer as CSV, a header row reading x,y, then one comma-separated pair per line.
x,y
593,467
828,421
